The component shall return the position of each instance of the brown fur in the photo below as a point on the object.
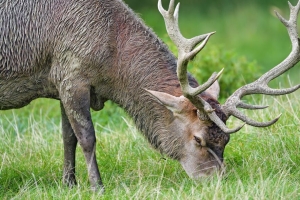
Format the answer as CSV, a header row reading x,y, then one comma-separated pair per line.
x,y
83,53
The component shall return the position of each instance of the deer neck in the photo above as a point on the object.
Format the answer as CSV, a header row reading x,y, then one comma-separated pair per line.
x,y
151,69
152,118
144,62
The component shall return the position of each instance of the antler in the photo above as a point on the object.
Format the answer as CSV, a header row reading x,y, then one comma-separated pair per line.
x,y
187,50
260,86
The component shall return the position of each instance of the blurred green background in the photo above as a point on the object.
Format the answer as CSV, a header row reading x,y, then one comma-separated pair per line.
x,y
249,38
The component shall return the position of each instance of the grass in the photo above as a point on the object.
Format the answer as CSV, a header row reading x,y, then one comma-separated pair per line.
x,y
261,163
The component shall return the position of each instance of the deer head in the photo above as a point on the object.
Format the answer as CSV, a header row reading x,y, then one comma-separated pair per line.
x,y
198,115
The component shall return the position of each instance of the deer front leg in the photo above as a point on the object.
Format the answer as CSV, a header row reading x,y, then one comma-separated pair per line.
x,y
70,143
75,98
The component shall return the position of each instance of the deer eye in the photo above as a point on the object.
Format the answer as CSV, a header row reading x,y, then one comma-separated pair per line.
x,y
198,140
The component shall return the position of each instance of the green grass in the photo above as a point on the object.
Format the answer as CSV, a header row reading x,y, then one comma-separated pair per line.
x,y
261,163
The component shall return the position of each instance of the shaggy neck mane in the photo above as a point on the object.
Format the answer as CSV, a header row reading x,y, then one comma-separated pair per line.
x,y
144,62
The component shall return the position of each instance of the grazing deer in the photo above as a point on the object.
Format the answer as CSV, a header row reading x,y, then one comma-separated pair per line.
x,y
86,52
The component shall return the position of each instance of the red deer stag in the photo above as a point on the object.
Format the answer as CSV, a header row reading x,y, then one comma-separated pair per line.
x,y
86,52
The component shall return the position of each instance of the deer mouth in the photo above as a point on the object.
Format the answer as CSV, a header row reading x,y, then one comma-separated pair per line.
x,y
215,166
197,171
220,163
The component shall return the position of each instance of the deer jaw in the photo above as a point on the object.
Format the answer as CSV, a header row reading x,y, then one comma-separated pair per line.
x,y
202,151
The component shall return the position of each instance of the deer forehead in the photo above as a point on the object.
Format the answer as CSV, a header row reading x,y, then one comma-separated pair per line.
x,y
191,125
185,106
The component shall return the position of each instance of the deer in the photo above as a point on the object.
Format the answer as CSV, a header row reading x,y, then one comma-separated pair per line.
x,y
84,53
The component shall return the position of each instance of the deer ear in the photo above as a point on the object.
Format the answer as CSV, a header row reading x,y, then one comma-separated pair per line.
x,y
214,90
170,101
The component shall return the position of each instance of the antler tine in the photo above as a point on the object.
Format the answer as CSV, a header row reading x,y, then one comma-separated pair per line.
x,y
251,107
270,91
187,49
238,114
213,117
260,86
171,20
